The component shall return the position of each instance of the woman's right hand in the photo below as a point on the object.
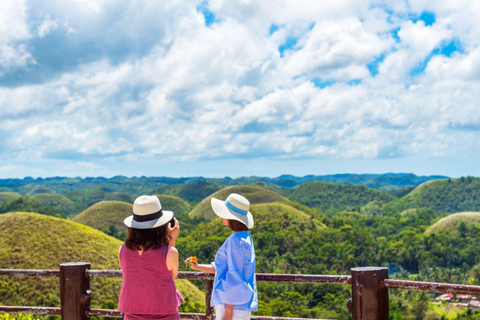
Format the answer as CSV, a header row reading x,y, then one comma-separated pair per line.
x,y
174,231
193,264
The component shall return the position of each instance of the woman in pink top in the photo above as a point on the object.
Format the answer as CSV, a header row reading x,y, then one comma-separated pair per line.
x,y
149,262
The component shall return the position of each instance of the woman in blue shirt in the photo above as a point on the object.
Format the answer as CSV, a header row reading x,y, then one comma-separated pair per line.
x,y
235,289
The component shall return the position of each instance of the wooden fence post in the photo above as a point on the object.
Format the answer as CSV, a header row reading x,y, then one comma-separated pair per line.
x,y
369,297
75,294
208,296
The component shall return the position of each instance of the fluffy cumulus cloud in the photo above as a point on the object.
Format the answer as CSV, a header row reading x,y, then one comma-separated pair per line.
x,y
85,82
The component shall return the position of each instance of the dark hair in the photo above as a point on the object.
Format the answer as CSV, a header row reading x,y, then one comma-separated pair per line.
x,y
147,238
236,225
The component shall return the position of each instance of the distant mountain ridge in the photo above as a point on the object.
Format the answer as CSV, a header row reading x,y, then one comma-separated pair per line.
x,y
142,185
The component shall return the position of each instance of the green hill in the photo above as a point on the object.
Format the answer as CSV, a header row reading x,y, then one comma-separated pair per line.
x,y
179,206
193,192
57,201
451,223
104,214
39,189
28,204
443,196
7,196
254,194
34,241
330,198
84,199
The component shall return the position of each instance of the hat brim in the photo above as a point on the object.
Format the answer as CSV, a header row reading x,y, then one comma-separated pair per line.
x,y
221,210
164,219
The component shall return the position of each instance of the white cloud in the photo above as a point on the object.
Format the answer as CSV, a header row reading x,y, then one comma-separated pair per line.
x,y
156,82
48,25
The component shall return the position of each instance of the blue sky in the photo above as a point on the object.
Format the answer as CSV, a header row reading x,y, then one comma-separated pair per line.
x,y
228,88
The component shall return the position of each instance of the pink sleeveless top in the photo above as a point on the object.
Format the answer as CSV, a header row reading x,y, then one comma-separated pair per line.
x,y
148,287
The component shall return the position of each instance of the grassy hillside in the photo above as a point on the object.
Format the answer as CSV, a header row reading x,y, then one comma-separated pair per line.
x,y
28,204
254,194
331,198
39,189
194,192
451,223
7,196
104,214
57,201
83,199
443,196
34,241
179,206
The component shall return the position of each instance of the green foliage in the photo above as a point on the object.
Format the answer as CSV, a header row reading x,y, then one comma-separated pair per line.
x,y
443,196
7,316
172,203
39,189
193,192
58,201
331,198
7,196
254,194
84,199
27,204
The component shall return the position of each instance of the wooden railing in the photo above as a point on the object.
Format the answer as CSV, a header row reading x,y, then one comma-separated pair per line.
x,y
369,291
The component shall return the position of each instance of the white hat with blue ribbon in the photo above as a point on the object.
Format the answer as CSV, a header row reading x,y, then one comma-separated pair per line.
x,y
234,208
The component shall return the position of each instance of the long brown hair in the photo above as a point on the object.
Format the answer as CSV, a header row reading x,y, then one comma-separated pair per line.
x,y
236,225
147,238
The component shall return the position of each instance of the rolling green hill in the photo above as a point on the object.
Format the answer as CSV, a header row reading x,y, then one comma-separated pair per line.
x,y
34,241
194,192
57,201
443,196
39,189
28,204
179,206
330,198
7,196
83,199
451,223
104,214
254,194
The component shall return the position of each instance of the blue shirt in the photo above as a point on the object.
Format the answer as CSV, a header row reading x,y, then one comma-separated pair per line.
x,y
235,281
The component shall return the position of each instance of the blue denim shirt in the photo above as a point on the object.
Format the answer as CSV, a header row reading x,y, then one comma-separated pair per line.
x,y
235,281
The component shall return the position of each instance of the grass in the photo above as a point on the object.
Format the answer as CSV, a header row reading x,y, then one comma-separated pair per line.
x,y
254,194
450,223
446,309
7,196
35,241
104,214
58,201
172,203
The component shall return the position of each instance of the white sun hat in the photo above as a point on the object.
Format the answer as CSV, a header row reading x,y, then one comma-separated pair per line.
x,y
234,208
148,214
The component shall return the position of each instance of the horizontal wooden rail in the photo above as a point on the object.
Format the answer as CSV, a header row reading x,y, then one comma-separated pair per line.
x,y
369,290
31,310
431,286
30,272
268,277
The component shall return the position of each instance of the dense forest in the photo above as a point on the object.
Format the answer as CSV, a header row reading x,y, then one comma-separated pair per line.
x,y
316,227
